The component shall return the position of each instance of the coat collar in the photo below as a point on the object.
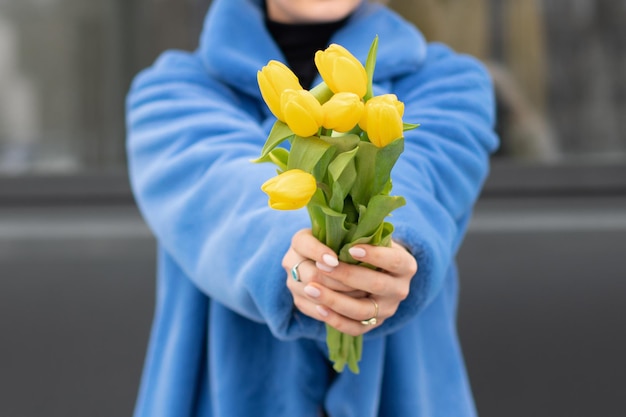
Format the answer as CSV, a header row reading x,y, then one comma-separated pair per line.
x,y
235,44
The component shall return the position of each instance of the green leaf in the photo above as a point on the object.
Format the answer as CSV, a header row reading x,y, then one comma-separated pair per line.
x,y
262,159
343,349
337,197
333,342
321,92
280,132
370,65
342,173
354,355
335,228
386,158
335,144
340,163
279,156
352,214
306,153
374,167
378,209
317,216
409,126
346,345
347,179
387,188
380,237
386,232
321,168
342,143
365,161
358,347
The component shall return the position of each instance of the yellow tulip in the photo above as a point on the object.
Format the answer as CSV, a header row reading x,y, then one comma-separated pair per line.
x,y
273,79
290,190
382,119
301,111
341,71
342,112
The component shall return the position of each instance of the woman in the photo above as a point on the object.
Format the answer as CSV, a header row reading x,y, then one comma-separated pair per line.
x,y
234,334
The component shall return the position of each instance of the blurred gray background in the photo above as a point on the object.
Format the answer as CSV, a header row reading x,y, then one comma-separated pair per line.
x,y
543,271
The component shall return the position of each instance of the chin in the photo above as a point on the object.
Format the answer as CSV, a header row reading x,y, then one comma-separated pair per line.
x,y
311,11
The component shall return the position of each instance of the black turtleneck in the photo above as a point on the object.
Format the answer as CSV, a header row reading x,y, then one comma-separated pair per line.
x,y
299,42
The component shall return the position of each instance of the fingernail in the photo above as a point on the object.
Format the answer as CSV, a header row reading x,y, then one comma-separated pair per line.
x,y
324,267
322,311
357,252
312,291
330,260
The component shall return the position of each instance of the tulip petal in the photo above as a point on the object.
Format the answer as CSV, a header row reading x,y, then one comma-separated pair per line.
x,y
290,190
302,112
341,71
342,112
382,119
273,79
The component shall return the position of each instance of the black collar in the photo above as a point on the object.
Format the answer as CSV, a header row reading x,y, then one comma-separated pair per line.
x,y
299,42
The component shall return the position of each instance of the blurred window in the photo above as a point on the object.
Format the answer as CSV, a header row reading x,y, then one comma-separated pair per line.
x,y
65,68
558,67
66,65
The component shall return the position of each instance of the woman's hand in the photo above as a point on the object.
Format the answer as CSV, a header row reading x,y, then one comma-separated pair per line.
x,y
341,294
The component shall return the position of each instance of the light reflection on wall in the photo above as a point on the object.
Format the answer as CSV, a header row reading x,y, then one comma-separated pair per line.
x,y
65,67
19,119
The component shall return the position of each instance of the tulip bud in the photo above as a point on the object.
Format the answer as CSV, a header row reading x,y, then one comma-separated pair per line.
x,y
273,79
342,112
290,190
301,111
341,71
382,119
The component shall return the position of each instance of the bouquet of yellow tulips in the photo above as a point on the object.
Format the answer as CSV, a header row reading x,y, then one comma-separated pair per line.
x,y
344,143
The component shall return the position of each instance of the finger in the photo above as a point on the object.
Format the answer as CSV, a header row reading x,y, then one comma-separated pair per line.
x,y
337,320
308,246
333,319
305,245
305,304
338,286
295,260
396,260
357,309
290,258
303,271
309,308
379,283
346,325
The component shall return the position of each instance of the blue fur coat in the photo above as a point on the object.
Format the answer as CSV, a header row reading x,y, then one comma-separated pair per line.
x,y
226,340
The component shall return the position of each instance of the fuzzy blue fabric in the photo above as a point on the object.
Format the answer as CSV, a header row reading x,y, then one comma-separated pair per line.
x,y
226,339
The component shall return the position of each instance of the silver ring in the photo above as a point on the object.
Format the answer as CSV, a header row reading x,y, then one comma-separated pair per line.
x,y
294,270
374,319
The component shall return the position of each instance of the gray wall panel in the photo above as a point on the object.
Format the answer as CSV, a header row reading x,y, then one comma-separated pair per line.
x,y
541,315
542,309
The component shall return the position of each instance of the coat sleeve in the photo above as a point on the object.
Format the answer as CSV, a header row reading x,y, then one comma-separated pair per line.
x,y
443,167
190,141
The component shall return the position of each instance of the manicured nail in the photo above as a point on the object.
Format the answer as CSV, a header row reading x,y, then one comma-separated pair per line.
x,y
312,291
322,311
357,252
324,267
330,260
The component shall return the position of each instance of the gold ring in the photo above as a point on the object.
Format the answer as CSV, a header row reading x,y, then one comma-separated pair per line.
x,y
294,270
374,319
